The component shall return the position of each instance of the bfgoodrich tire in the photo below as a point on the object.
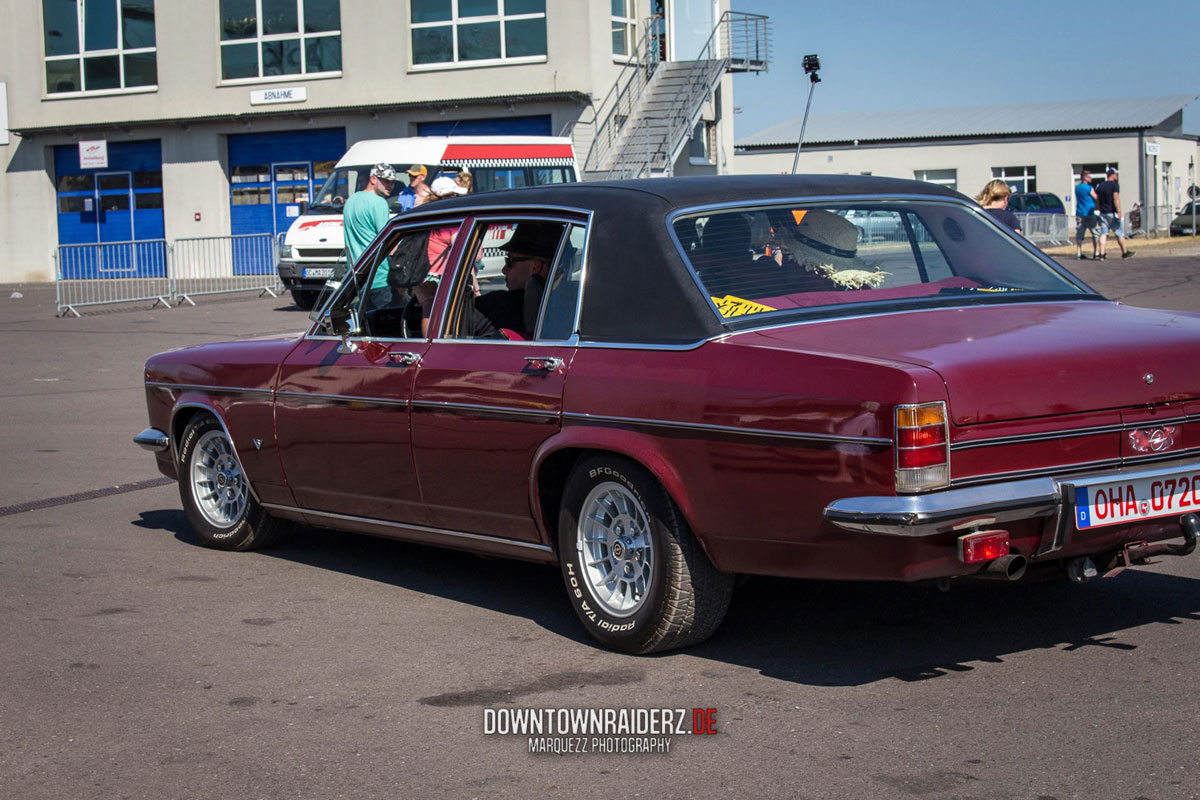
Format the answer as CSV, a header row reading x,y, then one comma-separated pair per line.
x,y
216,495
634,573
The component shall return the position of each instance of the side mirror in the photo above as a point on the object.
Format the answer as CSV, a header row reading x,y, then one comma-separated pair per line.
x,y
303,207
342,322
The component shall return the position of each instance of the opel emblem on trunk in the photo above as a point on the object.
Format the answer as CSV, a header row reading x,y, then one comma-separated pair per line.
x,y
1153,440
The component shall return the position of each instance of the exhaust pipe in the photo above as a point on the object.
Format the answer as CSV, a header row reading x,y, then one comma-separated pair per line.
x,y
1005,568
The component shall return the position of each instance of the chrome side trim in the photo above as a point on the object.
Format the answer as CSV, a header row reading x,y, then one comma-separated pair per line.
x,y
152,439
457,535
341,398
868,441
203,388
476,408
1070,433
964,508
1059,469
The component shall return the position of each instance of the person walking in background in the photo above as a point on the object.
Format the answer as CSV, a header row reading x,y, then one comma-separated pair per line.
x,y
1085,215
1108,195
994,199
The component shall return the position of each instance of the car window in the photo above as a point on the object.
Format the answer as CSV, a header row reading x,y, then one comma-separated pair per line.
x,y
755,261
1033,202
1051,202
562,294
537,272
381,290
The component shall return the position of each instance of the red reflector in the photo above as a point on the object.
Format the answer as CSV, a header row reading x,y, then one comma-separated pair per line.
x,y
921,437
984,546
922,457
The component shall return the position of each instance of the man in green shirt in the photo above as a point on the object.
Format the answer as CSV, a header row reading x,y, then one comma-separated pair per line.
x,y
363,217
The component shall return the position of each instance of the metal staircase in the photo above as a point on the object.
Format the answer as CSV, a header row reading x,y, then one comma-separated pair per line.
x,y
645,121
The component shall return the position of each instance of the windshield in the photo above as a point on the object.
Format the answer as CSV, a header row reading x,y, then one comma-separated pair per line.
x,y
760,260
345,181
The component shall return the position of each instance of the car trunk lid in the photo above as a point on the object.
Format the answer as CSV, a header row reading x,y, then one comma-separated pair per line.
x,y
1016,361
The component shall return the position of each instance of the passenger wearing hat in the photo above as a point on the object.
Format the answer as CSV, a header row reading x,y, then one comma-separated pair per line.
x,y
1108,195
528,256
415,193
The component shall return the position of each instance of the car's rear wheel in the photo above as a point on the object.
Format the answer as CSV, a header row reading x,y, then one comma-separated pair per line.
x,y
635,574
305,298
216,495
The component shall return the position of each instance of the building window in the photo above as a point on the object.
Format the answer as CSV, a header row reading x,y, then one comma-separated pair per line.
x,y
624,27
263,38
1019,179
942,177
703,146
99,45
473,31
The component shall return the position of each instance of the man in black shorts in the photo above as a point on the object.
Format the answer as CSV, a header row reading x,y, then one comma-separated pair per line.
x,y
1108,195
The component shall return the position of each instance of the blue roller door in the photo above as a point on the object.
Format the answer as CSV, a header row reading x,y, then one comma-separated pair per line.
x,y
500,126
122,202
271,173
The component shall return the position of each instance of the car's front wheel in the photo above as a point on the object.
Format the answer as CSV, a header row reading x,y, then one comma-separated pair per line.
x,y
216,495
635,574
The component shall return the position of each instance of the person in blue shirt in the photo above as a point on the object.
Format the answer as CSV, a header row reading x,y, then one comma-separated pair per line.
x,y
363,217
415,193
1085,214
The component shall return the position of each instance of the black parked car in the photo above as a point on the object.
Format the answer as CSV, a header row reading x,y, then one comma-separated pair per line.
x,y
1036,203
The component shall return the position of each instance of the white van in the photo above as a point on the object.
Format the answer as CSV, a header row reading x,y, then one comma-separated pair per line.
x,y
313,248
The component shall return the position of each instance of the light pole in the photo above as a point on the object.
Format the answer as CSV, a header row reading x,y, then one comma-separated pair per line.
x,y
811,64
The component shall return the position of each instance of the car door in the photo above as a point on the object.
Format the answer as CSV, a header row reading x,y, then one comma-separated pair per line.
x,y
481,407
342,406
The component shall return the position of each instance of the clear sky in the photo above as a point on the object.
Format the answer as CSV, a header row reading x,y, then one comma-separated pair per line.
x,y
914,54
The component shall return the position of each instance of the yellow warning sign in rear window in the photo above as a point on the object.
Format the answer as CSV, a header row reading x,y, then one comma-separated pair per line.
x,y
731,306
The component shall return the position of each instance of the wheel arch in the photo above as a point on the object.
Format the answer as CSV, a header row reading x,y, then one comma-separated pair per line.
x,y
554,460
186,410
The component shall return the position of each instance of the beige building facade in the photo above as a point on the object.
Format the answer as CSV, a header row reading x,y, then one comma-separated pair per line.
x,y
202,107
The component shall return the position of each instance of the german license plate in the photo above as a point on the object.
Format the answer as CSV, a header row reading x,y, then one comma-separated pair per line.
x,y
318,272
1125,501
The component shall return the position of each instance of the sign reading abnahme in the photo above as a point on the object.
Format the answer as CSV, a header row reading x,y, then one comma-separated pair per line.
x,y
291,94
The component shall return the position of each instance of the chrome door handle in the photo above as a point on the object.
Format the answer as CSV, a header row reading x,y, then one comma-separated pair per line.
x,y
408,359
546,363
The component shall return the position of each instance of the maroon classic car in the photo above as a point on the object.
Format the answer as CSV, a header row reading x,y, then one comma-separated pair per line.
x,y
686,380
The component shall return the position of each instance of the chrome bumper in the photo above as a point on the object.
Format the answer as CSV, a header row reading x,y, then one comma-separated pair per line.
x,y
1051,499
152,439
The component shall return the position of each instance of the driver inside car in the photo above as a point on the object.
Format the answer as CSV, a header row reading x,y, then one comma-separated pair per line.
x,y
510,313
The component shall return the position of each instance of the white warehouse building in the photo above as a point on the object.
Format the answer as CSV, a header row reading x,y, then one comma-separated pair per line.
x,y
1034,147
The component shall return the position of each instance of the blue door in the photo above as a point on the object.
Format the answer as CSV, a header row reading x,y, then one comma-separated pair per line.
x,y
117,212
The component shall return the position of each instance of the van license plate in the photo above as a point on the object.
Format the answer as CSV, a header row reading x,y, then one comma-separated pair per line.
x,y
318,272
1134,500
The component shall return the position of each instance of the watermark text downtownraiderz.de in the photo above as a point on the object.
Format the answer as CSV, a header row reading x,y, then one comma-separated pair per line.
x,y
563,731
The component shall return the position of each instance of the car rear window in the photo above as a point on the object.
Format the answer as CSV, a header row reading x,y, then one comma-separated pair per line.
x,y
758,261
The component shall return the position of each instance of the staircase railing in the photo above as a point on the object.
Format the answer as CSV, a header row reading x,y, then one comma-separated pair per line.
x,y
618,105
739,42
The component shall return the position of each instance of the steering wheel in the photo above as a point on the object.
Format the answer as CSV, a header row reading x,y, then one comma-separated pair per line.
x,y
411,317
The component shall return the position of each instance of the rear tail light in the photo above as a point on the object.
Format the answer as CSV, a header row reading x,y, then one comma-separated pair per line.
x,y
922,447
983,546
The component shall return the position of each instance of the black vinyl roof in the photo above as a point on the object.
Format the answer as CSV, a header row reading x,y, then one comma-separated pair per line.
x,y
638,288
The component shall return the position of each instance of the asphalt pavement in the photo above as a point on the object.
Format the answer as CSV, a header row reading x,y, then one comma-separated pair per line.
x,y
137,664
